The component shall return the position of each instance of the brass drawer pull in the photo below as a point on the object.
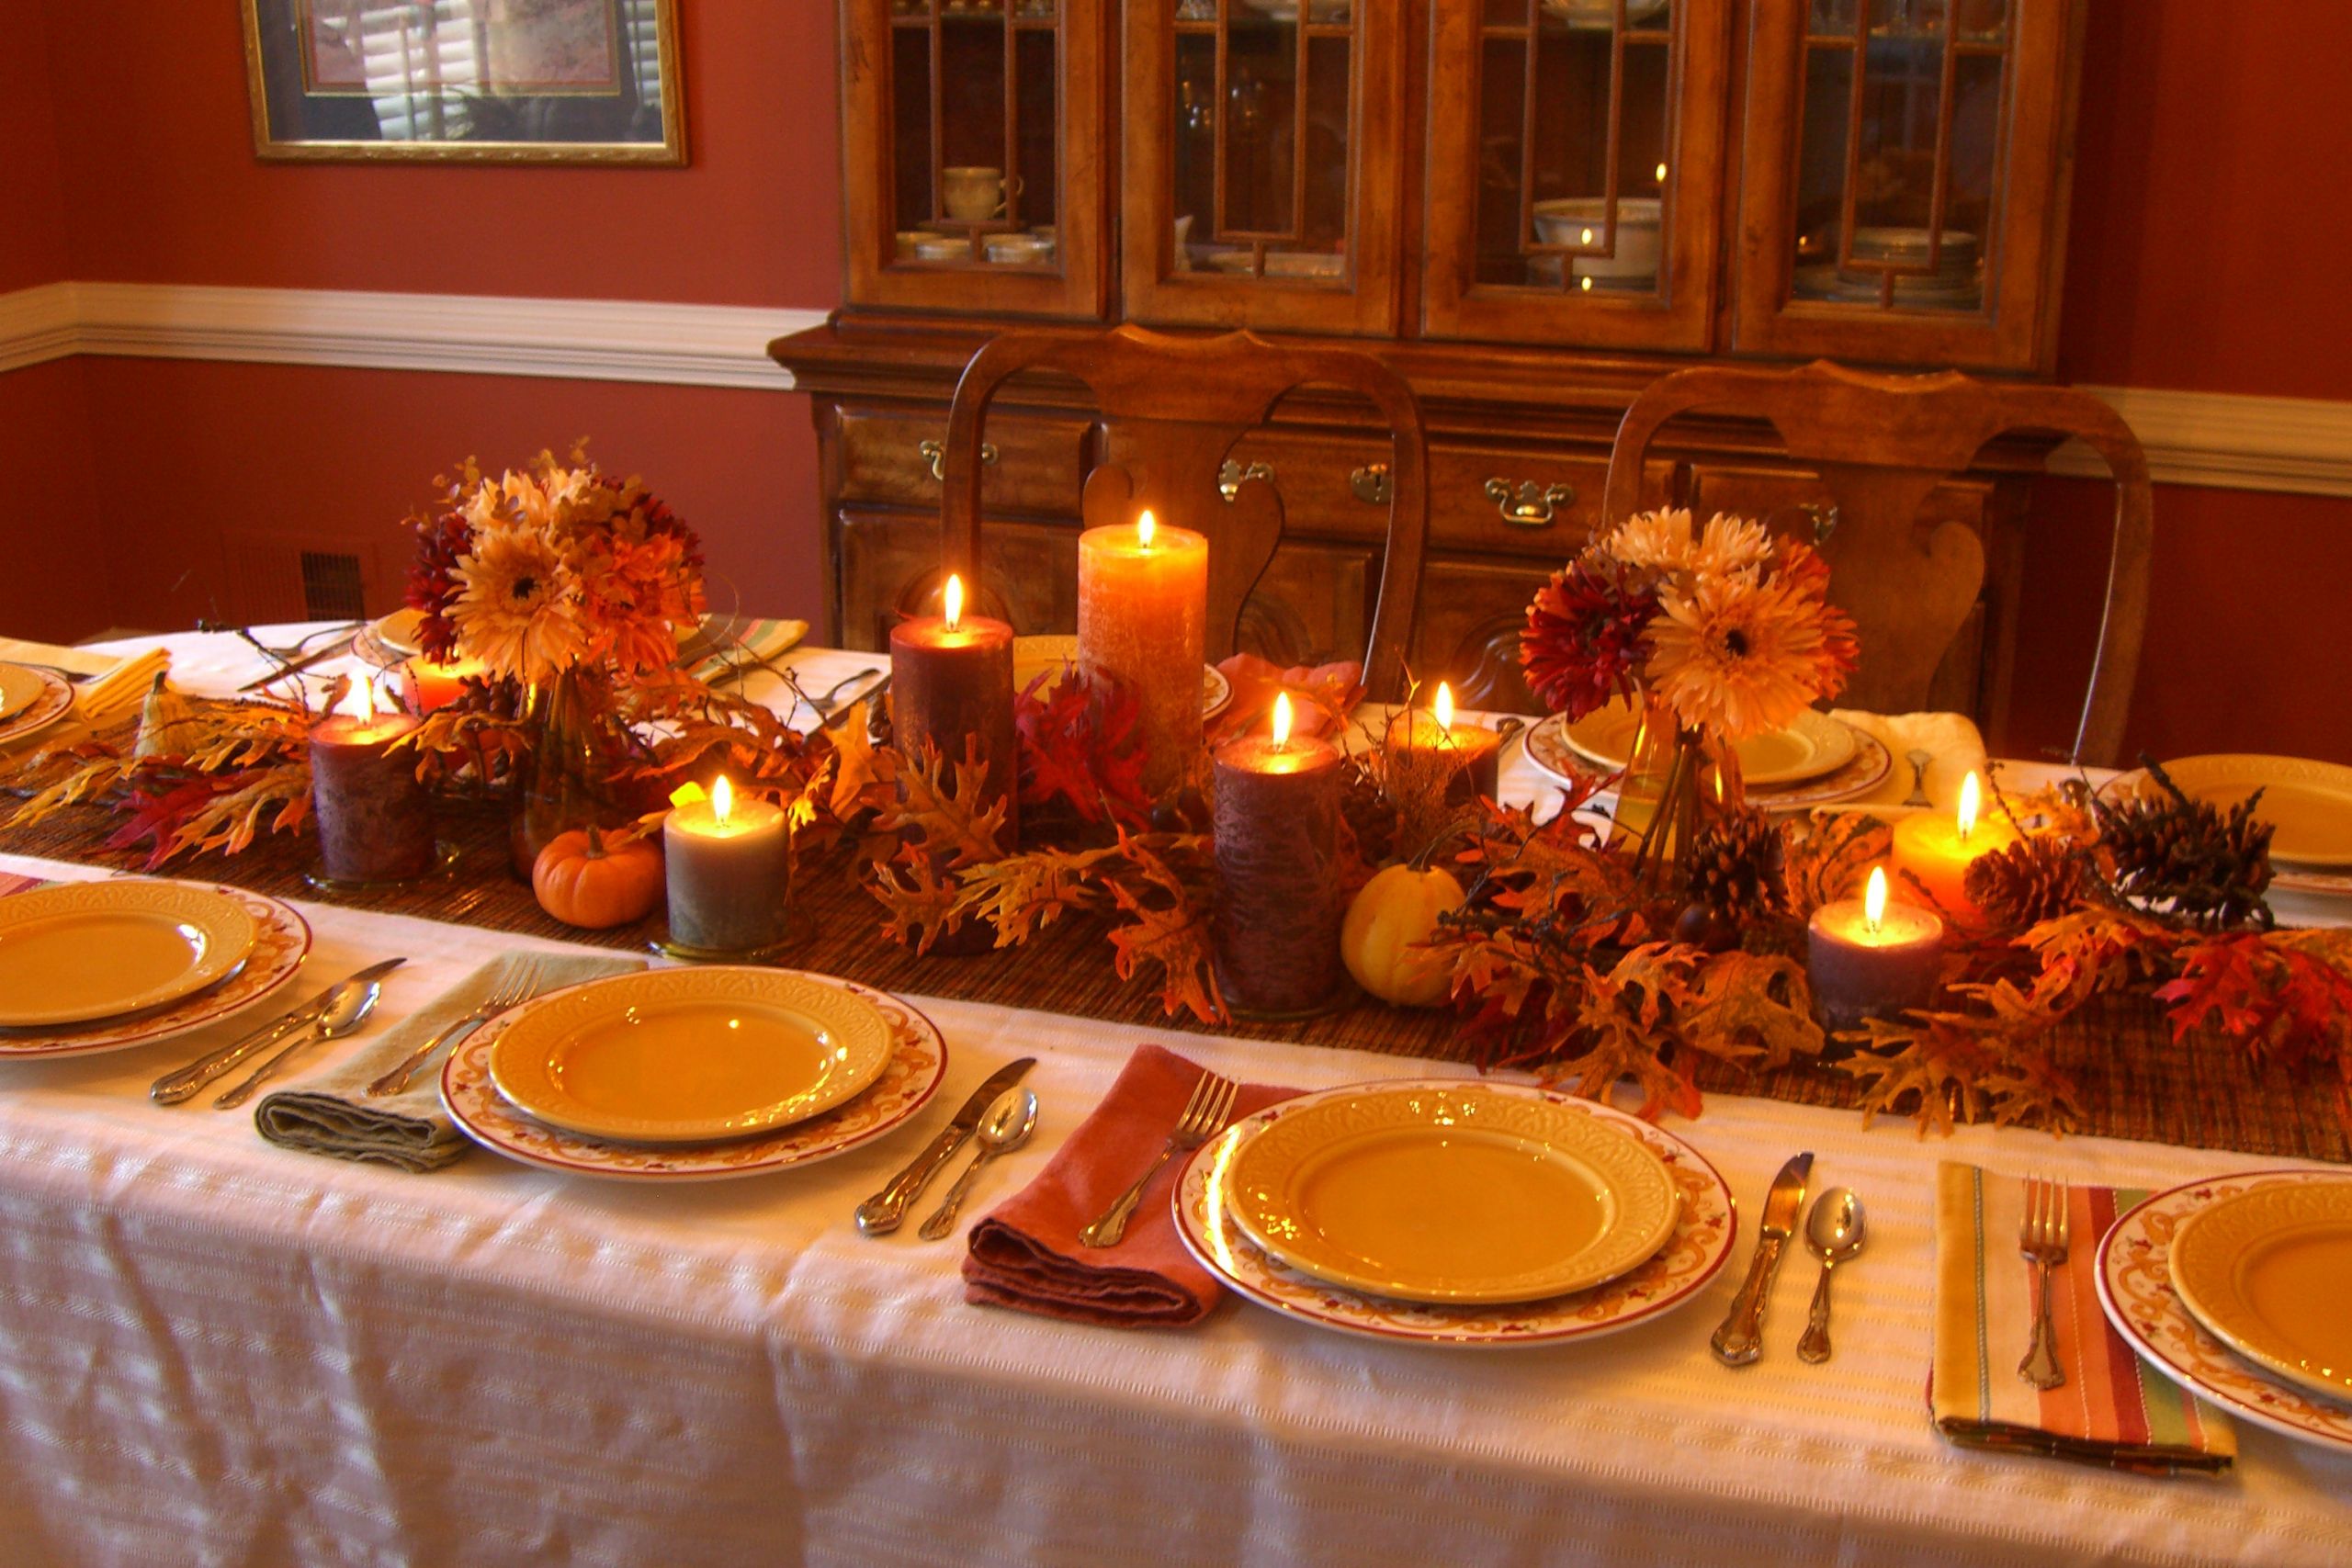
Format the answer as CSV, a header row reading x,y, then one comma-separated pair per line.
x,y
937,452
1528,505
1233,476
1370,484
1823,518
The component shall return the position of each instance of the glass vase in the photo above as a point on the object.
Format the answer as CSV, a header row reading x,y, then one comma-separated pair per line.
x,y
578,746
1679,780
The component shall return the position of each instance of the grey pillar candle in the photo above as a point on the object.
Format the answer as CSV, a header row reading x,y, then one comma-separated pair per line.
x,y
729,864
1279,908
1864,963
374,820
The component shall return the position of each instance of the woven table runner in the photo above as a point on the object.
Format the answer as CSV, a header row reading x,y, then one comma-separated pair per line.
x,y
2136,1081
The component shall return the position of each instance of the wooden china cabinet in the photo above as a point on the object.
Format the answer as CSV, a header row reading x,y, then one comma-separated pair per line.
x,y
1530,207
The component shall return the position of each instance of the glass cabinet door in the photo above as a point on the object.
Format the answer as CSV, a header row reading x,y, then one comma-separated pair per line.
x,y
975,178
1576,171
1260,162
1902,194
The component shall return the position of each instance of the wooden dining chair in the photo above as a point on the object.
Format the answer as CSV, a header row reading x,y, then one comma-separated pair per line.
x,y
1179,404
1880,445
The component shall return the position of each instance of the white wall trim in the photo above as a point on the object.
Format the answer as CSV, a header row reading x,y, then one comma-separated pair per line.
x,y
595,340
2220,439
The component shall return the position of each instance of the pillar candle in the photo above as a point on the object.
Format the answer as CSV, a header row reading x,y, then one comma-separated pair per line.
x,y
1868,958
728,864
1279,908
950,683
1939,850
374,820
1143,596
428,687
1472,751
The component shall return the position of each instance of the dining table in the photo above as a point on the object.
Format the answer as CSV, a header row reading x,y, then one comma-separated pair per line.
x,y
220,1351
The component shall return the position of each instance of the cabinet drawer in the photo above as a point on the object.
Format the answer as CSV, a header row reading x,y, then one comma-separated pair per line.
x,y
1314,605
1040,463
890,565
1467,634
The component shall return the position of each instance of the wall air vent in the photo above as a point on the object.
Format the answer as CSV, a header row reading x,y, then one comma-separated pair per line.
x,y
272,576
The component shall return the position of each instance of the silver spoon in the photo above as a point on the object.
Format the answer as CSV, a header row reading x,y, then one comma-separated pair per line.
x,y
1918,761
1005,1128
347,1008
1835,1233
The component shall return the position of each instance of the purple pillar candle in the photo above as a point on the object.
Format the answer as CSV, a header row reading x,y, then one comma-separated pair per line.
x,y
1868,958
374,820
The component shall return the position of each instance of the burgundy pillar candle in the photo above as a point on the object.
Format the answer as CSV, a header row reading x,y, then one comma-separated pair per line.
x,y
951,681
1279,908
1472,751
1868,958
374,820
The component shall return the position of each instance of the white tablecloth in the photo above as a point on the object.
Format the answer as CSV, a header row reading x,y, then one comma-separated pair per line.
x,y
217,1350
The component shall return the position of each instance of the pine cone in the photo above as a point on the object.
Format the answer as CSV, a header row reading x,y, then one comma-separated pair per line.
x,y
2186,858
1734,865
2027,883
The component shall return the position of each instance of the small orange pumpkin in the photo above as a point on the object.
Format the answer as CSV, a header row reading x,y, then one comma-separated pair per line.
x,y
587,880
1396,910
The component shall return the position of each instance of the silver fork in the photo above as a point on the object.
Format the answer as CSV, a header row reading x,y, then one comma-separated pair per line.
x,y
518,987
2043,1239
1204,1117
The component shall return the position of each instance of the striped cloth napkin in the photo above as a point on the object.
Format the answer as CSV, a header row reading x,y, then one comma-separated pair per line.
x,y
2113,1409
726,644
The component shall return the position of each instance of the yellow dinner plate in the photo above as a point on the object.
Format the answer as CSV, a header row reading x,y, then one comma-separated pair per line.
x,y
1036,656
84,951
400,632
19,688
1470,1193
1815,744
690,1055
2269,1271
2308,803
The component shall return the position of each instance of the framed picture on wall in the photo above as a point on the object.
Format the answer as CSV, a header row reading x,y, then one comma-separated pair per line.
x,y
467,81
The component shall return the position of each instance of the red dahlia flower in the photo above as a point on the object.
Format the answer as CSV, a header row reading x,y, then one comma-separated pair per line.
x,y
1582,644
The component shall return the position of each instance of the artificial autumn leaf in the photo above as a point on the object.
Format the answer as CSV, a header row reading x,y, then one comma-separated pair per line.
x,y
1082,746
2100,948
1938,1057
923,906
2028,1082
1824,859
1021,895
2278,996
858,766
1619,1018
950,811
1176,937
1747,1003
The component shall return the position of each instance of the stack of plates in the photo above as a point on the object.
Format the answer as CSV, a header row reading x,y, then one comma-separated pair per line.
x,y
92,966
1816,760
2236,1288
2307,805
1954,285
31,701
1456,1212
694,1074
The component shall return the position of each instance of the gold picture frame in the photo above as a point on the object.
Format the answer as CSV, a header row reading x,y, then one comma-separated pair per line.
x,y
466,80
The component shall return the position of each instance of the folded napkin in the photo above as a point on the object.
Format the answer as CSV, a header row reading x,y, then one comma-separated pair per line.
x,y
335,1115
1949,738
121,690
1027,1253
2113,1409
76,661
730,644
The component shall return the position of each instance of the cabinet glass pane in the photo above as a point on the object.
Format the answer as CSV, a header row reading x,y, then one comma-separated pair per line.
x,y
1263,101
1899,160
1574,111
974,118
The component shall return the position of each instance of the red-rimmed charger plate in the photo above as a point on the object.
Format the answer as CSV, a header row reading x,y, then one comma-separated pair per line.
x,y
1701,1240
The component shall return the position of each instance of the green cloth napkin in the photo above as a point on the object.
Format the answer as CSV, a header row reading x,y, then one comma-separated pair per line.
x,y
336,1116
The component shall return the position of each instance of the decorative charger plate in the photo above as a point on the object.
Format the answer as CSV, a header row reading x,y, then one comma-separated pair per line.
x,y
2308,803
1704,1229
2134,1274
1548,749
2269,1271
86,952
45,707
399,632
19,688
690,1055
282,940
1465,1192
1036,656
1813,745
917,1064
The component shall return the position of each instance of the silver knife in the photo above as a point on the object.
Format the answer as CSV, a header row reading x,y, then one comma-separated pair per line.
x,y
883,1212
184,1083
1740,1339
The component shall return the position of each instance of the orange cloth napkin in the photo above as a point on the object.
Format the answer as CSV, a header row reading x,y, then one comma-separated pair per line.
x,y
1027,1253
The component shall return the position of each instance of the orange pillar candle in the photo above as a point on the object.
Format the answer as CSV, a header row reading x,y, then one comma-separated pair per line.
x,y
374,820
1939,850
1868,958
428,687
1143,598
951,683
1279,910
1472,751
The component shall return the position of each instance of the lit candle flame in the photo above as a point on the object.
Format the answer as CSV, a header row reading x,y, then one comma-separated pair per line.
x,y
1970,796
1874,899
722,800
366,701
954,599
1443,706
1145,528
1282,720
1661,174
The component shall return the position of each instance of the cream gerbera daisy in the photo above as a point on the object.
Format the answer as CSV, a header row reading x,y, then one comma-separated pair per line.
x,y
1659,540
1740,656
517,608
1730,543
